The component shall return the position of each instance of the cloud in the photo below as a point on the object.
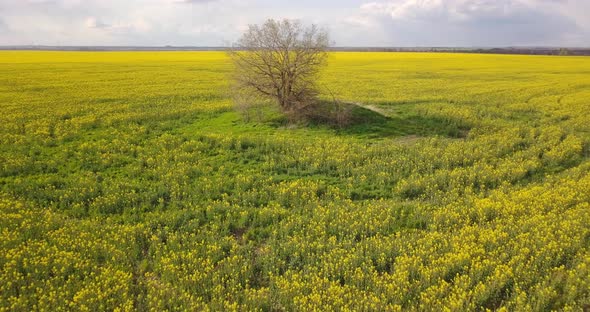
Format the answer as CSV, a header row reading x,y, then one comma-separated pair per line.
x,y
469,22
93,22
136,25
193,1
3,26
351,22
454,10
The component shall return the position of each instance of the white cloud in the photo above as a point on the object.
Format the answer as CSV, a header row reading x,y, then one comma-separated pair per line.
x,y
351,22
3,26
192,1
93,22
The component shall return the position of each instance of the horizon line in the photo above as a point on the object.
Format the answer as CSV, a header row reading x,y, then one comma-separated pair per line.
x,y
334,47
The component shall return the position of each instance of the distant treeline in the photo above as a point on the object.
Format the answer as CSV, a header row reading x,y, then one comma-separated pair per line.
x,y
507,50
109,48
504,50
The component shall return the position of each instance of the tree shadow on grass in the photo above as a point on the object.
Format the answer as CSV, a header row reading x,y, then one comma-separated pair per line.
x,y
371,122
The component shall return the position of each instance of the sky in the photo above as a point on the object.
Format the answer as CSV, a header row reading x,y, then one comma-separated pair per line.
x,y
466,23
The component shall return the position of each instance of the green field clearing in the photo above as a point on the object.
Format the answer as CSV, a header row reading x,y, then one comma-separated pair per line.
x,y
129,182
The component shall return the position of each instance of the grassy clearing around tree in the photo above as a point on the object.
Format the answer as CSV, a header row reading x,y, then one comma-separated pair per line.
x,y
127,182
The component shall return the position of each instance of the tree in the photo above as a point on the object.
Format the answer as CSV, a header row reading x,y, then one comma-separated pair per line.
x,y
280,60
564,51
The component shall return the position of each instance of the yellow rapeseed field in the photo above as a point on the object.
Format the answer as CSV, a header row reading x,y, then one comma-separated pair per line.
x,y
128,182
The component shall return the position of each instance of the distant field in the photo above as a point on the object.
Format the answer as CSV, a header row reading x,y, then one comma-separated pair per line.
x,y
128,182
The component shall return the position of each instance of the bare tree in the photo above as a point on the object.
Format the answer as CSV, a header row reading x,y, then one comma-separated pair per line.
x,y
280,60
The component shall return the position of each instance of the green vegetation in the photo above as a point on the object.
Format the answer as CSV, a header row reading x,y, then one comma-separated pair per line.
x,y
127,182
